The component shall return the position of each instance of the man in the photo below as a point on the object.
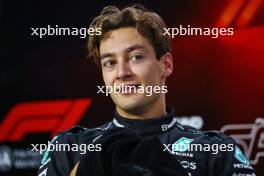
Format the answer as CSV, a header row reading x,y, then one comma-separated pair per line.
x,y
133,55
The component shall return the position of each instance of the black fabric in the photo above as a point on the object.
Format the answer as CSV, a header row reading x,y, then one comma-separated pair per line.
x,y
147,126
135,147
125,153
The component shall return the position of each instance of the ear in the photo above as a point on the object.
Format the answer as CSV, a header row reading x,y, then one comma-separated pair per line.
x,y
166,62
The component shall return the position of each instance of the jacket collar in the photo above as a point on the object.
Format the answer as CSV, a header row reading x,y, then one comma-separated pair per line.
x,y
153,125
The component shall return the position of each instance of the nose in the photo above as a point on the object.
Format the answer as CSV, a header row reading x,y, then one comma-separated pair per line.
x,y
123,71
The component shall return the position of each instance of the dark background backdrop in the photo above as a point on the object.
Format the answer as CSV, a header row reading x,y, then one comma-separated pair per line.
x,y
216,82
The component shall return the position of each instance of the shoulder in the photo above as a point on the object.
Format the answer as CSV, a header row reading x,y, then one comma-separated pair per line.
x,y
76,133
210,136
74,136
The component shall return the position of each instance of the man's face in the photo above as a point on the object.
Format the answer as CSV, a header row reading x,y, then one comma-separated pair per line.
x,y
128,58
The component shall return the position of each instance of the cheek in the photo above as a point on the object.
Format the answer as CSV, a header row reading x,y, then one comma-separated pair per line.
x,y
148,73
107,77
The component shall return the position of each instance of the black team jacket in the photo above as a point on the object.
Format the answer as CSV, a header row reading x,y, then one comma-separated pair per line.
x,y
155,147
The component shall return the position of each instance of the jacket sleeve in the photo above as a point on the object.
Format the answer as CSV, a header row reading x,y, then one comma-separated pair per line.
x,y
55,162
237,164
230,162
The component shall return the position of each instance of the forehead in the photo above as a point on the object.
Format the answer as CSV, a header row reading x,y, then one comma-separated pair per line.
x,y
120,39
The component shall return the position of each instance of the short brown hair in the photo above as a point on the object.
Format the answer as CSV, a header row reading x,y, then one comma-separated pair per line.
x,y
147,23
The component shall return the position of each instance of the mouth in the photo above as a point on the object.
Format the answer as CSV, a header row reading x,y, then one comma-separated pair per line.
x,y
128,89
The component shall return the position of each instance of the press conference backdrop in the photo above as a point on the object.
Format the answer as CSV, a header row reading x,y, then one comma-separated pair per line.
x,y
48,85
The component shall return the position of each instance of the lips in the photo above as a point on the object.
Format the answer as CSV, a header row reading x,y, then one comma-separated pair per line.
x,y
127,88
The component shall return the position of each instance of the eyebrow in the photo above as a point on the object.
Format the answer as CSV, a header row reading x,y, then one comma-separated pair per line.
x,y
106,55
135,47
127,50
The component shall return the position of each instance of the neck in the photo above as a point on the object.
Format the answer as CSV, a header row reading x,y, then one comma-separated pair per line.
x,y
150,111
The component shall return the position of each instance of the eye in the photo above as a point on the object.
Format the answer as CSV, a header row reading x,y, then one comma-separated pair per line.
x,y
136,57
108,63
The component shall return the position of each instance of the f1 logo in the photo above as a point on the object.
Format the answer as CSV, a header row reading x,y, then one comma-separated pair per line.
x,y
44,116
250,137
